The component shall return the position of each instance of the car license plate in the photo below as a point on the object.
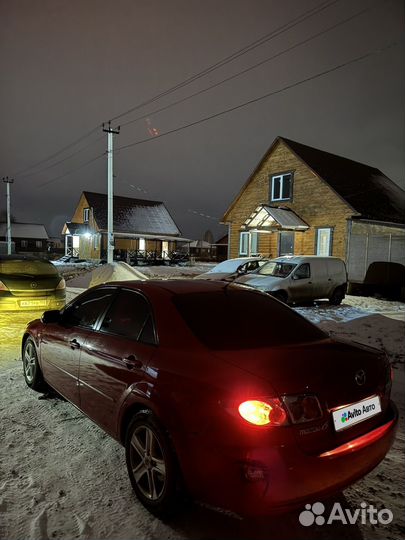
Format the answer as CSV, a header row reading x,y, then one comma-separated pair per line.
x,y
32,303
355,413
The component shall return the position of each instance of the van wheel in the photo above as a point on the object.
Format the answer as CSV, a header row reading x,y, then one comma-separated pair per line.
x,y
152,466
280,295
337,296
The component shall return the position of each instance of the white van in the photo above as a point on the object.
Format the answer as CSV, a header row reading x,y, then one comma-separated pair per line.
x,y
301,278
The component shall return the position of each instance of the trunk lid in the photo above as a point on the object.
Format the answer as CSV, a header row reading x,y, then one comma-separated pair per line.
x,y
327,369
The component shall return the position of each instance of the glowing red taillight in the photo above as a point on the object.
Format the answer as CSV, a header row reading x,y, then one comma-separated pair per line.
x,y
263,413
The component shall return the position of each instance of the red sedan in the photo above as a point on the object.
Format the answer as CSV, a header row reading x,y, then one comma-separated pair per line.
x,y
216,391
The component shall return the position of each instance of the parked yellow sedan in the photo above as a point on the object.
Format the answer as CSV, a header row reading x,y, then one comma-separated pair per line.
x,y
29,283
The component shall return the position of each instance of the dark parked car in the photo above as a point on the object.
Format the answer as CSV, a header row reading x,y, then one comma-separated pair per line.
x,y
29,283
218,391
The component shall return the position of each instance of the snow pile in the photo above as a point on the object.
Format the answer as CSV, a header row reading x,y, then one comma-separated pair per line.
x,y
117,271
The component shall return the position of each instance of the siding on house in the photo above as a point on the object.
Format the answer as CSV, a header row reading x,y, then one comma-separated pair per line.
x,y
312,199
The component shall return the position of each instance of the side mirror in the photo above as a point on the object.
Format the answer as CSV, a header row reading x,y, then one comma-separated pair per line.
x,y
241,270
53,316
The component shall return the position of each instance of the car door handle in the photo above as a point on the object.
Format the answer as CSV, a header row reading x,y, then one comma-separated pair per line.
x,y
132,362
74,344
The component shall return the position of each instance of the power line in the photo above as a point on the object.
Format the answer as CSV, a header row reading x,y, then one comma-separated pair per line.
x,y
55,154
71,171
63,159
244,50
260,98
267,37
254,66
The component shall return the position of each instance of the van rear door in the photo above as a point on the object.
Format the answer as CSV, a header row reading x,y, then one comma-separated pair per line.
x,y
336,274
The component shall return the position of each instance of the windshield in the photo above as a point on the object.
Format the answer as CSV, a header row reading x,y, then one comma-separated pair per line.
x,y
236,318
277,269
16,267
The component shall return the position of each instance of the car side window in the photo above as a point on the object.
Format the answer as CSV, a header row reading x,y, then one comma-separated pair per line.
x,y
130,316
88,308
303,271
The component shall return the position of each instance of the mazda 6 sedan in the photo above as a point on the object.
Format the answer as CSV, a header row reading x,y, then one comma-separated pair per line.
x,y
216,391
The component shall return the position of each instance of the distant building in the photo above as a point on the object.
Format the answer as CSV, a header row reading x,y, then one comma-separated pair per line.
x,y
303,201
141,227
29,238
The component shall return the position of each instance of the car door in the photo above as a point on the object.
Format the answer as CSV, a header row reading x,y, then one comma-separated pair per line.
x,y
301,284
115,357
61,342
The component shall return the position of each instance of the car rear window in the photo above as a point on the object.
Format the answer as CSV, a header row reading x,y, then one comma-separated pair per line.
x,y
239,319
23,267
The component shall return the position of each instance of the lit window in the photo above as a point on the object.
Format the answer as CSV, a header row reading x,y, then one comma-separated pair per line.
x,y
281,187
38,243
86,215
142,244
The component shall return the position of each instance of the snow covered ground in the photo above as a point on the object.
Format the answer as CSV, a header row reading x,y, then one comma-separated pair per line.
x,y
62,478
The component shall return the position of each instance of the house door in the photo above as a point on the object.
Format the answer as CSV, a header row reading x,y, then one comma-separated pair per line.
x,y
286,243
324,242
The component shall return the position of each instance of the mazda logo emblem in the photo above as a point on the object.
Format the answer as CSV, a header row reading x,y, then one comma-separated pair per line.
x,y
34,285
360,377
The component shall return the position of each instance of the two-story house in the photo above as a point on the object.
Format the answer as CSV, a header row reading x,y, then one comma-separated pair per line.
x,y
304,201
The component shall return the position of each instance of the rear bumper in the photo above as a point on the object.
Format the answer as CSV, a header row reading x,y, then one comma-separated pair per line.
x,y
9,302
288,478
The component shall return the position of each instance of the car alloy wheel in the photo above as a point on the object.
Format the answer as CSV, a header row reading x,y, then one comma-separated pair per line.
x,y
152,465
32,371
147,462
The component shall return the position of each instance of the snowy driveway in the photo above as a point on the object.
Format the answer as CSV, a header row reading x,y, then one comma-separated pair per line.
x,y
61,477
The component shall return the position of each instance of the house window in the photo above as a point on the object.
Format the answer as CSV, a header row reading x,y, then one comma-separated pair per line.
x,y
281,187
38,243
253,243
243,243
286,243
142,244
24,243
324,242
86,215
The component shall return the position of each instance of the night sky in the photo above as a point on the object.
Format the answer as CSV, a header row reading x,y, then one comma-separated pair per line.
x,y
69,65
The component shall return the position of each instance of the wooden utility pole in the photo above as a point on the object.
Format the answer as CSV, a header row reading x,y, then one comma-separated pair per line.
x,y
110,190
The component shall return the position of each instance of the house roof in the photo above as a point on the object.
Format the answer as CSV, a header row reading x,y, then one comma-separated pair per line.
x,y
132,215
370,193
270,217
25,231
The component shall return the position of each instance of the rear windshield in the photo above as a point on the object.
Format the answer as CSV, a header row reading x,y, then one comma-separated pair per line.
x,y
16,267
234,318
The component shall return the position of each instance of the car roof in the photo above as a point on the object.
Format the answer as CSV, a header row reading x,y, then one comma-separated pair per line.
x,y
299,258
175,286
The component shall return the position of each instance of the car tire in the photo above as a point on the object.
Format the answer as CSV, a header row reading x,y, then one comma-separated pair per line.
x,y
152,466
280,295
31,368
337,296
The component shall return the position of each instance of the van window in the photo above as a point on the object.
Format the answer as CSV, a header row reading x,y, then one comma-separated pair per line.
x,y
303,271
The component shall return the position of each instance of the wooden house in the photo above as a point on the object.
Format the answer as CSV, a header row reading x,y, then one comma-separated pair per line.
x,y
303,201
141,227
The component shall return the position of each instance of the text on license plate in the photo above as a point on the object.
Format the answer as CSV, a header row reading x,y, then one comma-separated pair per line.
x,y
33,303
355,413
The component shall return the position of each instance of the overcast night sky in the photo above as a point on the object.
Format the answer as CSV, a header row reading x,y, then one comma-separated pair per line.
x,y
69,65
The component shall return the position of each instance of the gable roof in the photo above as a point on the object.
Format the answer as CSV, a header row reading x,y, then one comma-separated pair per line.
x,y
132,215
25,231
365,189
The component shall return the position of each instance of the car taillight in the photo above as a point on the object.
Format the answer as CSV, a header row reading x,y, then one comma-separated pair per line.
x,y
61,284
263,413
3,287
303,408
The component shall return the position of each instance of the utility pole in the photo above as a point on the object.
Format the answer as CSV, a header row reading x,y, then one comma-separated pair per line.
x,y
110,191
8,181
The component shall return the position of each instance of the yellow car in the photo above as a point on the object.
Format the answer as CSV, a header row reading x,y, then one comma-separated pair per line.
x,y
29,283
